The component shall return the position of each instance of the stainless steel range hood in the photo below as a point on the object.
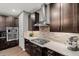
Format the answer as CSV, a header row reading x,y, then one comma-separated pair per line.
x,y
44,16
41,24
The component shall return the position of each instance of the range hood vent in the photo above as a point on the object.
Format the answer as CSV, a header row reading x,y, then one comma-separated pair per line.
x,y
42,23
44,16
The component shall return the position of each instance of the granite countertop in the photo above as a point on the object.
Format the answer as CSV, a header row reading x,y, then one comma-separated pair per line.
x,y
55,46
61,48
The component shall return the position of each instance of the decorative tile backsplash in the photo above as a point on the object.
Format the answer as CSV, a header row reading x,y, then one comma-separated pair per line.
x,y
56,36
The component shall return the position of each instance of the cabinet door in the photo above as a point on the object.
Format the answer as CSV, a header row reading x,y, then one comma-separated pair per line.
x,y
33,19
55,17
9,21
78,17
36,28
16,22
64,18
12,43
67,12
29,23
3,43
2,23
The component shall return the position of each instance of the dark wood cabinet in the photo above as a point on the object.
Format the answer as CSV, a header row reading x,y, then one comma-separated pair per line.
x,y
67,17
55,18
28,46
50,52
8,21
16,22
78,17
64,18
11,21
12,43
35,50
3,43
32,49
33,19
2,23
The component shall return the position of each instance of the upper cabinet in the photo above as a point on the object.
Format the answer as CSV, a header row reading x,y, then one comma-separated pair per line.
x,y
2,23
77,17
55,17
8,21
64,17
11,21
67,17
16,22
33,19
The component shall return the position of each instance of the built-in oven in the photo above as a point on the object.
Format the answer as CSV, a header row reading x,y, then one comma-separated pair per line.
x,y
12,33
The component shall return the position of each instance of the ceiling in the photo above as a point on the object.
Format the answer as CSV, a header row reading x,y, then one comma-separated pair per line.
x,y
15,9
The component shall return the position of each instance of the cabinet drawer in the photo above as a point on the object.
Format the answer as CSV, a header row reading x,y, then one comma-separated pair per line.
x,y
12,43
53,53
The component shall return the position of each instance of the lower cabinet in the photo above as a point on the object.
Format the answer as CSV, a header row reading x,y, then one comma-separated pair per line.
x,y
52,53
12,43
35,50
4,44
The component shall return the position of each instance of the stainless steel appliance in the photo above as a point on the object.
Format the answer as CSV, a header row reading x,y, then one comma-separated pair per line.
x,y
12,33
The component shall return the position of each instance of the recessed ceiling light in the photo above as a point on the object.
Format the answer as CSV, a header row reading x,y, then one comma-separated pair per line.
x,y
13,10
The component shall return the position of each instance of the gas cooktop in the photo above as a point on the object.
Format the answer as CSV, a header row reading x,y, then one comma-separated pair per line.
x,y
40,41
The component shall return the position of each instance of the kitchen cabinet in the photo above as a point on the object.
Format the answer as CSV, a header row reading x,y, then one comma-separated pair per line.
x,y
31,48
64,18
50,52
11,21
12,43
35,50
2,23
3,43
8,21
55,18
67,18
16,22
28,46
78,17
33,19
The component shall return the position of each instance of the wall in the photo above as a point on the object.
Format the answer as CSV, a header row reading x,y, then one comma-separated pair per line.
x,y
25,21
23,26
21,40
55,36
